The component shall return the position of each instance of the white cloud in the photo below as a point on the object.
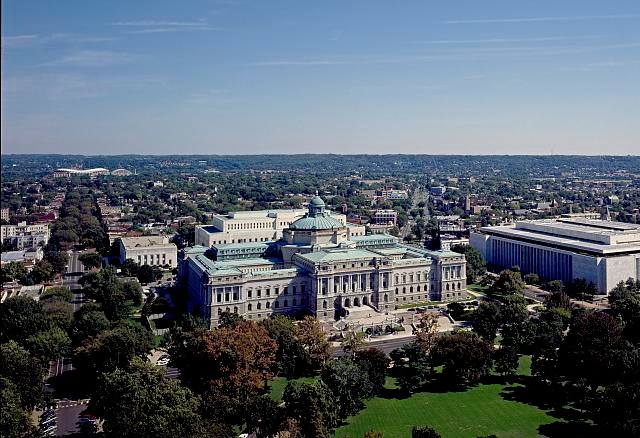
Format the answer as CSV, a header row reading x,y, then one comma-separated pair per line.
x,y
543,19
155,23
94,58
171,29
13,41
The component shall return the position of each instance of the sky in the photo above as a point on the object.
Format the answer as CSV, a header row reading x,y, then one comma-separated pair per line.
x,y
370,76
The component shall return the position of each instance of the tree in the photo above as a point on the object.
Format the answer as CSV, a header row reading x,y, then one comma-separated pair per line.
x,y
262,414
424,432
20,317
234,360
130,268
476,265
88,321
15,420
141,401
148,274
292,359
349,385
509,282
312,405
412,366
314,341
427,331
581,289
59,293
465,356
375,363
58,313
49,345
24,371
229,319
589,349
486,320
555,286
12,271
112,349
42,272
619,409
91,260
506,359
352,341
57,259
531,278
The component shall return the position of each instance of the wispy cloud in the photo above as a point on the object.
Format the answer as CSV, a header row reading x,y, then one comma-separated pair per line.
x,y
171,29
543,19
511,40
294,62
14,41
19,41
157,23
163,26
94,58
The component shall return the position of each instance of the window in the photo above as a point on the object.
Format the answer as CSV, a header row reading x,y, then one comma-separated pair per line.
x,y
219,298
293,290
276,304
285,290
249,307
268,292
249,293
259,293
294,302
324,304
302,288
268,305
259,306
286,303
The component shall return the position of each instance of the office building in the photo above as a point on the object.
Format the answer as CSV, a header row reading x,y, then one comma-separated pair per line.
x,y
149,250
602,252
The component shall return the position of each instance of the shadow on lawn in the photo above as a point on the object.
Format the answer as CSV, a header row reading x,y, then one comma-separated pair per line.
x,y
558,402
434,386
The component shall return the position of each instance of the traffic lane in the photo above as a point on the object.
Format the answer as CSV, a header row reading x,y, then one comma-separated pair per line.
x,y
68,418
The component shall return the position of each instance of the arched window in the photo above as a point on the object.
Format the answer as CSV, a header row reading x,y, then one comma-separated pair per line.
x,y
404,290
249,307
459,286
418,288
268,305
447,286
411,289
259,306
324,304
235,310
386,298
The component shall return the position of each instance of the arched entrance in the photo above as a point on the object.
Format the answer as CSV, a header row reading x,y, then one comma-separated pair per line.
x,y
356,302
347,302
365,301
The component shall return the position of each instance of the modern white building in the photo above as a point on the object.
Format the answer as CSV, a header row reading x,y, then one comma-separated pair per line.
x,y
68,172
602,252
256,226
320,267
149,250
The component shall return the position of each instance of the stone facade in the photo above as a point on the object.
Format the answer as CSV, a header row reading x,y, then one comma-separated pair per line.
x,y
321,267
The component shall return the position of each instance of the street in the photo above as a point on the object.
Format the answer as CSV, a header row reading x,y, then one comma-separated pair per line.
x,y
75,266
67,418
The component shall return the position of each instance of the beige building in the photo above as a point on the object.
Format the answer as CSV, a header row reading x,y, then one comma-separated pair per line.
x,y
25,236
319,266
253,226
4,214
149,250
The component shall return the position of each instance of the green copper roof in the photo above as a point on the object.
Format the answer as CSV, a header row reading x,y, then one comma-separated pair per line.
x,y
318,222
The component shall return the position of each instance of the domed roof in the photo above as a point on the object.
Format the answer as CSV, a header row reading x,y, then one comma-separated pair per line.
x,y
317,201
320,222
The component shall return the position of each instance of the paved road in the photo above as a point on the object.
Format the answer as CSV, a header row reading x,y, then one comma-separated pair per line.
x,y
386,345
68,419
75,266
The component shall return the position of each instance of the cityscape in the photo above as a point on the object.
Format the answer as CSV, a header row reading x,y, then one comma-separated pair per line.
x,y
240,219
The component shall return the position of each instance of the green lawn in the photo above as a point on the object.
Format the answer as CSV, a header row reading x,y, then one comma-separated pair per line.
x,y
478,411
473,287
279,383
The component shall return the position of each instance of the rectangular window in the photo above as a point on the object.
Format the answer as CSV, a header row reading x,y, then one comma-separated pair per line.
x,y
259,293
302,288
268,292
249,293
285,290
219,298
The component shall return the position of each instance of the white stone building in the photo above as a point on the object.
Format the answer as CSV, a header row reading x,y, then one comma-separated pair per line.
x,y
149,250
319,266
602,252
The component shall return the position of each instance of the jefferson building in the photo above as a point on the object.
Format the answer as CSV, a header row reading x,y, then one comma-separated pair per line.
x,y
320,266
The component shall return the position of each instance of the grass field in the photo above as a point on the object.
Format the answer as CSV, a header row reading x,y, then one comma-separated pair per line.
x,y
482,410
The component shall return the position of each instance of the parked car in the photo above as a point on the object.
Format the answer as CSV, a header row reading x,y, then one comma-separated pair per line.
x,y
164,360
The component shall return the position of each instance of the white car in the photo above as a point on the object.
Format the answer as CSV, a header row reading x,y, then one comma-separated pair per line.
x,y
163,361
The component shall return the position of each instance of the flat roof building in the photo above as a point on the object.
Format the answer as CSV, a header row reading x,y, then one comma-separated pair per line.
x,y
602,252
149,250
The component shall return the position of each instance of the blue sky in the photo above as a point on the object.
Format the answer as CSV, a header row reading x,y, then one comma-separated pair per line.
x,y
250,76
